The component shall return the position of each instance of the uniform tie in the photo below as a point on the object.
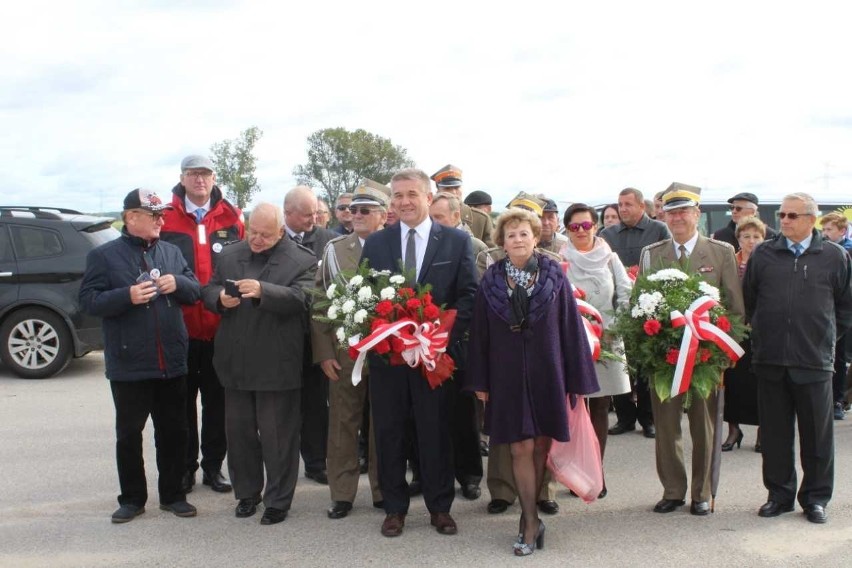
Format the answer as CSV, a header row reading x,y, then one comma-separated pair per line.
x,y
684,258
199,215
798,249
410,263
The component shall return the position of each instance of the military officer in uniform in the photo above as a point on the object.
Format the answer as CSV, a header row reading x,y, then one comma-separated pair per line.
x,y
346,401
449,179
479,200
714,261
500,479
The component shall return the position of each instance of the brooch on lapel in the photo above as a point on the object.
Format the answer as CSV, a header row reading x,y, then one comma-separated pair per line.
x,y
705,269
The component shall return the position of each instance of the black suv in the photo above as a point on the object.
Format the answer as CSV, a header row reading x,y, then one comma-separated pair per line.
x,y
42,259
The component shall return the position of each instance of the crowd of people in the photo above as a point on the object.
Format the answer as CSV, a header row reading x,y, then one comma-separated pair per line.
x,y
194,302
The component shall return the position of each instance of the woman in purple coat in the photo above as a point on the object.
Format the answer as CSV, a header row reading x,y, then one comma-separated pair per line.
x,y
527,350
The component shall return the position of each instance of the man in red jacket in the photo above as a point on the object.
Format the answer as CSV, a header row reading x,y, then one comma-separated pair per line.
x,y
201,224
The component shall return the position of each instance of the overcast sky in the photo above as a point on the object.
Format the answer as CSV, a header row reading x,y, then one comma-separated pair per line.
x,y
97,98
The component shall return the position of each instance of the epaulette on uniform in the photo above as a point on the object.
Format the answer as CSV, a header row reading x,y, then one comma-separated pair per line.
x,y
335,239
722,244
652,246
476,212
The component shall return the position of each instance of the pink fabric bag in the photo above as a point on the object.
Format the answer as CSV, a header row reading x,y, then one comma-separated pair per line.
x,y
576,464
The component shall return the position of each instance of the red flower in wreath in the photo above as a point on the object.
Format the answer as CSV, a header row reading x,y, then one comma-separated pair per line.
x,y
353,353
413,304
405,293
672,355
382,347
384,308
652,327
431,312
376,323
724,324
704,354
427,298
397,345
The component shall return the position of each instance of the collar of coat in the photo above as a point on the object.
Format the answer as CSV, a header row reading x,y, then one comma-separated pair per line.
x,y
496,289
779,243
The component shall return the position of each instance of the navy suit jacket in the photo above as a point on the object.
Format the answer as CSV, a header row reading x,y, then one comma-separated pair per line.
x,y
448,266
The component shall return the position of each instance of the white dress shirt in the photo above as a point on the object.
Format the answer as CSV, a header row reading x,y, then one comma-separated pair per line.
x,y
689,245
420,240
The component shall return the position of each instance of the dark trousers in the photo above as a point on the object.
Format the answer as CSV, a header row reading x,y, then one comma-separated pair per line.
x,y
314,418
165,401
395,394
202,379
783,402
263,432
464,431
838,382
628,412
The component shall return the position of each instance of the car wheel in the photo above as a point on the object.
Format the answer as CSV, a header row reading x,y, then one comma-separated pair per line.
x,y
36,343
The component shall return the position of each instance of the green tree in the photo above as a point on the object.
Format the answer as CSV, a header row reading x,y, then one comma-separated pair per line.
x,y
235,165
338,160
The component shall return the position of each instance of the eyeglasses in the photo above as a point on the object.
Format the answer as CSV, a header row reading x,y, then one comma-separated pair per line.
x,y
354,209
739,208
342,207
156,215
792,216
198,173
585,225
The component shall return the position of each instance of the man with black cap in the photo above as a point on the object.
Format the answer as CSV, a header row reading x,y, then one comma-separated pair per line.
x,y
715,262
479,200
742,205
347,402
137,284
449,179
201,222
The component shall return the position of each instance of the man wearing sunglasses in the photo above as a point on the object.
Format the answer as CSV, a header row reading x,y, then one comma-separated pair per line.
x,y
799,301
137,284
346,401
742,205
715,262
343,215
200,223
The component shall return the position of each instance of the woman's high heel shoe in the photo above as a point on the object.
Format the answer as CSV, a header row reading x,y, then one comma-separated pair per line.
x,y
524,549
728,446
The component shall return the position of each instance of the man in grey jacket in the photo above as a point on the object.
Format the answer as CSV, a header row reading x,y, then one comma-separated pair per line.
x,y
260,289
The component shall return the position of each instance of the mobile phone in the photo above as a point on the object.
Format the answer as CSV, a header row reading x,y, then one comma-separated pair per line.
x,y
146,277
232,289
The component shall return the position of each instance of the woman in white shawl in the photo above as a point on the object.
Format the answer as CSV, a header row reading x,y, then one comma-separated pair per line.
x,y
598,272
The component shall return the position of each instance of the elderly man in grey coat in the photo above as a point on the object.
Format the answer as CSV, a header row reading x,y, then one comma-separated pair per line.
x,y
260,289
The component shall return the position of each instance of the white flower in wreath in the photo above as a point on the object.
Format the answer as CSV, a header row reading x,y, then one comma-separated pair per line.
x,y
348,306
709,290
668,274
397,279
332,312
387,293
341,334
360,316
356,281
330,292
365,293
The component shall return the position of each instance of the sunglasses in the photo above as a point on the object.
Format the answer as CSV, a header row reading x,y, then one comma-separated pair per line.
x,y
793,216
155,214
739,208
354,209
585,225
342,207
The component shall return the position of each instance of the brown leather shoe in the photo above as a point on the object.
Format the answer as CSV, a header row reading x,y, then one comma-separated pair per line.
x,y
444,523
393,524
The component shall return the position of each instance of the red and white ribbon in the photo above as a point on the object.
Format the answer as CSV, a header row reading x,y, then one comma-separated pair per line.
x,y
594,330
422,346
697,327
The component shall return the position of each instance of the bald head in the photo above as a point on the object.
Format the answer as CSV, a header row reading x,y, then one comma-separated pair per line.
x,y
266,227
300,209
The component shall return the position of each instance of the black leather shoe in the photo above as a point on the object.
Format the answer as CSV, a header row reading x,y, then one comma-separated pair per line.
x,y
548,507
339,509
620,428
483,448
471,492
668,505
272,516
379,504
187,481
246,507
319,476
649,431
497,506
774,508
216,481
816,513
127,513
699,508
363,465
414,488
180,509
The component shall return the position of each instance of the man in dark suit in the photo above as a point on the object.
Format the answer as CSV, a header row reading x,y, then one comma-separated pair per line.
x,y
300,213
442,257
798,300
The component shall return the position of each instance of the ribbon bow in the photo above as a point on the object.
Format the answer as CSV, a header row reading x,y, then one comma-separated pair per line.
x,y
594,330
697,327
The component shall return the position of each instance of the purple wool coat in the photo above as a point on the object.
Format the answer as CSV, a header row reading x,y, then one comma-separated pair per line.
x,y
528,373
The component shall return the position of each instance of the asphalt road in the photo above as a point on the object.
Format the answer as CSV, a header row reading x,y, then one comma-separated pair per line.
x,y
59,487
